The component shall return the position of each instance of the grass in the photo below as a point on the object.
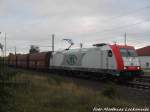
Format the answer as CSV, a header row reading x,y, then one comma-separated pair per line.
x,y
6,90
54,94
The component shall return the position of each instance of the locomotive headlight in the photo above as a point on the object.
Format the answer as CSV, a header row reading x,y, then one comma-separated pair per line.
x,y
125,67
138,67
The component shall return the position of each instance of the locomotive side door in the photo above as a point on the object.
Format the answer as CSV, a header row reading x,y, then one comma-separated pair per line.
x,y
107,60
110,60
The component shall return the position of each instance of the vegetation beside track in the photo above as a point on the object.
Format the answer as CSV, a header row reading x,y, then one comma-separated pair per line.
x,y
6,87
41,93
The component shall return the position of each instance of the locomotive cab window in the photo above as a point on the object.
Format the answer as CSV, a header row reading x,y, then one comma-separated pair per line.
x,y
109,53
132,53
128,52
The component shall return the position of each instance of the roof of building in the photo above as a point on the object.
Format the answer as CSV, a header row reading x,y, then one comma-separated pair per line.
x,y
145,51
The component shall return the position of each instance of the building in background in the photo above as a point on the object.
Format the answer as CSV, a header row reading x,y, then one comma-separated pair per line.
x,y
144,56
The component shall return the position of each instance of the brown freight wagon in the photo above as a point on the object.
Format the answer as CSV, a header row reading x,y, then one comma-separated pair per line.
x,y
23,60
39,61
12,60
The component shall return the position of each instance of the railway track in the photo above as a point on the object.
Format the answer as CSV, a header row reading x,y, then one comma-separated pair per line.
x,y
137,85
142,82
143,79
145,76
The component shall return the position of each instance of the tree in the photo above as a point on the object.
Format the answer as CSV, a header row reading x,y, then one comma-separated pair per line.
x,y
34,49
1,46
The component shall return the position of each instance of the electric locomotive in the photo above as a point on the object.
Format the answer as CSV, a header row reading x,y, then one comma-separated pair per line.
x,y
118,61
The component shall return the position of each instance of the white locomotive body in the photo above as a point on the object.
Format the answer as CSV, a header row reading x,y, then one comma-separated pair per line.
x,y
105,58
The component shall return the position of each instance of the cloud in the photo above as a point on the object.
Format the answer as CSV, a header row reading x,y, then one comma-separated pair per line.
x,y
29,22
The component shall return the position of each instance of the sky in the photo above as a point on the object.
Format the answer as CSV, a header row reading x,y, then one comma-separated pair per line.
x,y
32,22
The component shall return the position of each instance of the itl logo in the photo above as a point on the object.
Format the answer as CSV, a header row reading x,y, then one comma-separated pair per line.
x,y
72,59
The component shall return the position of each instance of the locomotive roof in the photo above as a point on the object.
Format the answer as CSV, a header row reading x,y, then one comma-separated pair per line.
x,y
80,49
95,47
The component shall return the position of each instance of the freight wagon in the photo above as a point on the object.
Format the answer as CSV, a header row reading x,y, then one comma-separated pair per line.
x,y
39,60
22,60
12,59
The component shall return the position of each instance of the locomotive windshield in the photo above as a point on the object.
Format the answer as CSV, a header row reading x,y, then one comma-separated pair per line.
x,y
128,52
